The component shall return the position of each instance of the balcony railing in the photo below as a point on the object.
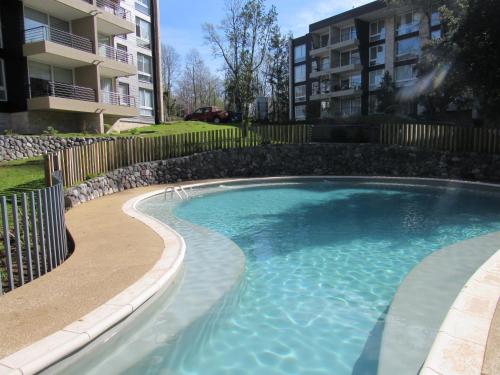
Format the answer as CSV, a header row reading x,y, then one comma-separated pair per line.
x,y
114,98
42,33
115,54
41,87
114,8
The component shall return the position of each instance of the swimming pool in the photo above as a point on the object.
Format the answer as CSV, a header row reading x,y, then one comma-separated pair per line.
x,y
323,261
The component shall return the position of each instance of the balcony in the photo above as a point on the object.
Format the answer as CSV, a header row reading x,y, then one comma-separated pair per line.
x,y
346,40
116,63
116,104
64,9
346,90
49,95
56,47
320,50
45,33
114,19
353,66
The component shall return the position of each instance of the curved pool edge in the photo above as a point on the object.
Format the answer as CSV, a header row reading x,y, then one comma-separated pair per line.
x,y
77,335
57,346
475,306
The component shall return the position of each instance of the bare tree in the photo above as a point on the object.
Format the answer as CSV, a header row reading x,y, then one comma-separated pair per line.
x,y
170,60
242,41
197,86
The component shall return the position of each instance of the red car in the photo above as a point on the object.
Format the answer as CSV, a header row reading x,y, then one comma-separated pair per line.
x,y
209,114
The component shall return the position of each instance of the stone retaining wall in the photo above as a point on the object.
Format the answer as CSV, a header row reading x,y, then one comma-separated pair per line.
x,y
311,159
19,147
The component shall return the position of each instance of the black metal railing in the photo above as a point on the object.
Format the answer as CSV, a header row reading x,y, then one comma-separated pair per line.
x,y
58,36
114,8
33,237
114,98
115,54
40,87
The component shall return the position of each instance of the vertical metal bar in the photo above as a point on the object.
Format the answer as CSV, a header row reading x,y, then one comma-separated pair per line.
x,y
48,228
41,229
55,229
6,241
27,240
17,234
34,234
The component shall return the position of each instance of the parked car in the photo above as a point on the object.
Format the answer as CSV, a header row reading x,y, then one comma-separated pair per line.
x,y
209,114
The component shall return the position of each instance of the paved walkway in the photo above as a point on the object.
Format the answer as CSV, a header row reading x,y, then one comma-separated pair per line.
x,y
112,252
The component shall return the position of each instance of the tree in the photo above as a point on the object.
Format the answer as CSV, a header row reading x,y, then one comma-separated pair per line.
x,y
277,75
475,35
242,40
386,96
197,86
170,61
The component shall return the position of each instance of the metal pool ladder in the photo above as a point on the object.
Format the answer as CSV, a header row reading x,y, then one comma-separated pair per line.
x,y
178,191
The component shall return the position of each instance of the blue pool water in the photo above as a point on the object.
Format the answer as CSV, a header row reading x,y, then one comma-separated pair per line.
x,y
323,263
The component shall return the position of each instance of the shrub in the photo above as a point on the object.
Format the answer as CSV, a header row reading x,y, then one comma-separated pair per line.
x,y
49,130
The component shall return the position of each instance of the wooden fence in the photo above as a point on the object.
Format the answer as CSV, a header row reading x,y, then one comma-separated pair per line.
x,y
442,137
33,237
83,162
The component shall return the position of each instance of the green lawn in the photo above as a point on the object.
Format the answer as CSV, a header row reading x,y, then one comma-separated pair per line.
x,y
21,175
179,127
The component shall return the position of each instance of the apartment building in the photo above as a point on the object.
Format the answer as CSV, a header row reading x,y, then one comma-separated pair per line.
x,y
76,65
337,68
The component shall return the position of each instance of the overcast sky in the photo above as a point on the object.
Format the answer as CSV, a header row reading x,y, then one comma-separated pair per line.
x,y
181,20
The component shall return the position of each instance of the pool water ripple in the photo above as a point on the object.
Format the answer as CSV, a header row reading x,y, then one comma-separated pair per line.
x,y
323,263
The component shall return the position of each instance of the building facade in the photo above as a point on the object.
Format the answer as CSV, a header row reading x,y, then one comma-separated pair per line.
x,y
337,68
76,65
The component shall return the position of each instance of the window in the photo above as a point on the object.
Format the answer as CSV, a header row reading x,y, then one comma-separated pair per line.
x,y
300,53
375,79
34,19
146,102
377,30
350,107
122,53
314,65
3,83
377,55
325,63
435,18
144,68
315,88
143,33
356,81
324,85
39,71
436,34
300,73
300,93
349,57
348,33
324,40
300,112
124,92
63,75
405,75
142,6
407,23
373,104
407,48
325,108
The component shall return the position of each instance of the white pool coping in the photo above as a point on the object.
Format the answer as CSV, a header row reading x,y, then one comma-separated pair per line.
x,y
51,349
460,345
463,334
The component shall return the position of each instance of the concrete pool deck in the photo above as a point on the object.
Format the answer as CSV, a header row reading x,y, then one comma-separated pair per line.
x,y
113,251
106,261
